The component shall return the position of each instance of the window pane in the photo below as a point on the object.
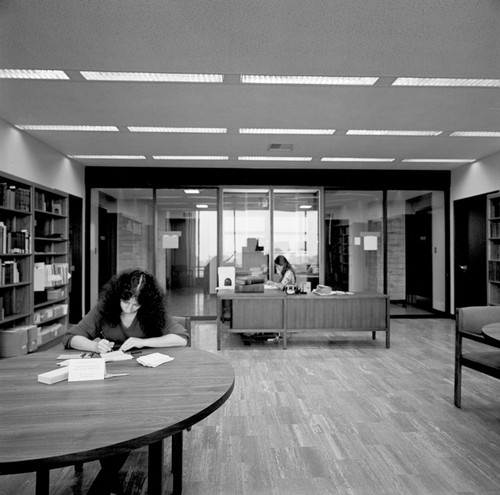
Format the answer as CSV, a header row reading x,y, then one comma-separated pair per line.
x,y
186,256
246,231
416,251
354,241
295,236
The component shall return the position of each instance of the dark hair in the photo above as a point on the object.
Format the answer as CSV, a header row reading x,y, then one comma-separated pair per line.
x,y
282,261
149,294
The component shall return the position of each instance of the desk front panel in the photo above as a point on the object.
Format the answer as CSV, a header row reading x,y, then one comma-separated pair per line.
x,y
336,312
258,313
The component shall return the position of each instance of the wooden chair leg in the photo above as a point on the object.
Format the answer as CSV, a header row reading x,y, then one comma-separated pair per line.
x,y
458,371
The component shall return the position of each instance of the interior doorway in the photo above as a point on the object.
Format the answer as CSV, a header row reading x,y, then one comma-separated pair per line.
x,y
470,251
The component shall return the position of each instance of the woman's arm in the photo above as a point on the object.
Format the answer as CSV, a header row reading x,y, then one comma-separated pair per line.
x,y
82,343
168,340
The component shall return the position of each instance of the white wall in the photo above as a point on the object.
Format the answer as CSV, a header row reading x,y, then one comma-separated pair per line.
x,y
480,177
25,157
28,159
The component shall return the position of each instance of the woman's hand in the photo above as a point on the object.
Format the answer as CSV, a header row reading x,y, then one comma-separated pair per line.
x,y
104,346
132,342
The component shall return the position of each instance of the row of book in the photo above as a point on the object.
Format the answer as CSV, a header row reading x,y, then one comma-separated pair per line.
x,y
14,242
44,204
50,275
9,273
494,271
15,198
494,229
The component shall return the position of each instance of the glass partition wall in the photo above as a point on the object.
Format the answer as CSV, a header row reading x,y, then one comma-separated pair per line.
x,y
354,241
354,244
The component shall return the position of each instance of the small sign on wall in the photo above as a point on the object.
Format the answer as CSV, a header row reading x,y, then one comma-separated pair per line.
x,y
170,240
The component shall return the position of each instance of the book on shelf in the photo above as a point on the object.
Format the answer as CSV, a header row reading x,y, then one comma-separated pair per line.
x,y
15,198
9,272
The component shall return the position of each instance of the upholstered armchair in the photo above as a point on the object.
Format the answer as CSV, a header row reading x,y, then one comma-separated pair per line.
x,y
484,358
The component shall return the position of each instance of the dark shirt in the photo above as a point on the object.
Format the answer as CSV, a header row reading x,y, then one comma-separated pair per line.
x,y
92,327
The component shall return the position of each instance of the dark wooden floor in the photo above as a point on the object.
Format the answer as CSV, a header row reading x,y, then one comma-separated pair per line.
x,y
333,414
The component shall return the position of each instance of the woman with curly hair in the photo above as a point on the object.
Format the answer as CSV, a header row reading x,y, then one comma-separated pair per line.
x,y
131,313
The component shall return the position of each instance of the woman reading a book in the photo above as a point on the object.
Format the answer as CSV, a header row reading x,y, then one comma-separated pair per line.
x,y
130,313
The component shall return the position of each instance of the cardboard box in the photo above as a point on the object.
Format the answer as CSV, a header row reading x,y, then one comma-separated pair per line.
x,y
32,336
13,342
54,294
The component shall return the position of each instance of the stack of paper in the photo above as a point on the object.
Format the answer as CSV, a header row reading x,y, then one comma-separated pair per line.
x,y
154,360
116,356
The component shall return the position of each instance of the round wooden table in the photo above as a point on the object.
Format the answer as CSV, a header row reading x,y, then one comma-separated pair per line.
x,y
492,332
49,426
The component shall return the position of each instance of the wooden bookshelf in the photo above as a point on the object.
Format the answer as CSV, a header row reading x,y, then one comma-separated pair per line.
x,y
34,267
493,254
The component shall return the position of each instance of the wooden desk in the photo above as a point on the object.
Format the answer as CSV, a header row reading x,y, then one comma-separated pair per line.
x,y
492,333
49,426
274,311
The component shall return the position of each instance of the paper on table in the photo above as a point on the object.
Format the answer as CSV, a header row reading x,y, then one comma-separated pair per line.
x,y
116,356
154,360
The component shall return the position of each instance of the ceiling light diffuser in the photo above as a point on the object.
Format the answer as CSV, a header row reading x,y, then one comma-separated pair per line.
x,y
475,134
313,80
201,206
207,130
151,77
379,132
184,157
276,158
192,191
446,82
287,131
438,160
32,74
351,159
107,157
96,128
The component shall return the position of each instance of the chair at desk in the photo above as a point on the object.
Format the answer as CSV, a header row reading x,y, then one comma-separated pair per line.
x,y
468,325
185,321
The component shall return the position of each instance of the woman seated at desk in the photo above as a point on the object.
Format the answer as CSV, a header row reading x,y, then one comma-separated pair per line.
x,y
131,313
285,271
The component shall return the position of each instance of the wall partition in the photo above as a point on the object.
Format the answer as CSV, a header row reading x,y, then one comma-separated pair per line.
x,y
385,241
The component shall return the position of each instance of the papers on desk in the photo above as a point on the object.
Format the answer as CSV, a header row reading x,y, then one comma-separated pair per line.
x,y
116,356
154,360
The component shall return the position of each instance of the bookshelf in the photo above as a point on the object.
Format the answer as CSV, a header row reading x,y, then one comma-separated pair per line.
x,y
33,265
493,225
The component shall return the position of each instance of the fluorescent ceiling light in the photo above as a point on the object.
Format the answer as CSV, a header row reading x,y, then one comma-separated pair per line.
x,y
107,157
287,131
97,128
324,80
438,160
276,158
305,207
475,134
446,81
192,191
208,130
151,77
351,159
32,74
201,206
365,132
181,157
